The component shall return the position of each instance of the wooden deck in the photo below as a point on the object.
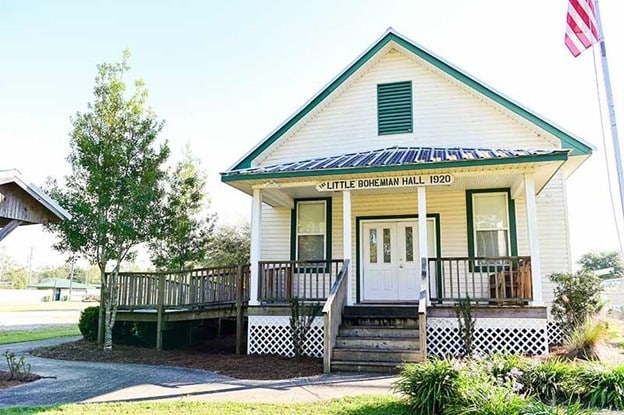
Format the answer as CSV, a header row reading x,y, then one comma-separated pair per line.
x,y
167,297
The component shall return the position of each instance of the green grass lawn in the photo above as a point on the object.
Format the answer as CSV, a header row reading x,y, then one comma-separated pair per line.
x,y
357,405
16,336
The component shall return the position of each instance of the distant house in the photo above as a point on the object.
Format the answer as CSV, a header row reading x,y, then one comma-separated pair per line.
x,y
60,289
407,185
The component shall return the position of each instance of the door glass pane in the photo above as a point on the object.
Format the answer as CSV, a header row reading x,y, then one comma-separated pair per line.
x,y
387,249
492,243
372,246
311,247
409,244
311,217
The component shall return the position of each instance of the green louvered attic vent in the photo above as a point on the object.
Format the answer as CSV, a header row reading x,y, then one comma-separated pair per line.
x,y
394,108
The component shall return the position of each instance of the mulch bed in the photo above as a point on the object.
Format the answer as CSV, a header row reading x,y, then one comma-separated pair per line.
x,y
207,356
8,380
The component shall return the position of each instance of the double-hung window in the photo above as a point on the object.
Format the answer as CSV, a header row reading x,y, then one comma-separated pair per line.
x,y
491,224
311,230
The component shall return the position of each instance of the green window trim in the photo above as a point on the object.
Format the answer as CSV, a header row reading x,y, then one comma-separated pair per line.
x,y
511,208
395,108
328,227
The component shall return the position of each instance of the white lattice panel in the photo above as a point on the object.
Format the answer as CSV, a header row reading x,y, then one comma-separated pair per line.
x,y
555,334
271,335
520,336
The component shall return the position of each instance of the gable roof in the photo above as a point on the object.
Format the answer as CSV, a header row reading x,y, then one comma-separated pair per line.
x,y
396,158
567,139
13,176
60,283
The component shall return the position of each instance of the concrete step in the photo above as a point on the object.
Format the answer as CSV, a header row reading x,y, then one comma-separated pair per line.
x,y
375,355
375,367
377,331
376,342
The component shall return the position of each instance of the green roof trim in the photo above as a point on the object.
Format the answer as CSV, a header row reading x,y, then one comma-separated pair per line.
x,y
567,140
225,177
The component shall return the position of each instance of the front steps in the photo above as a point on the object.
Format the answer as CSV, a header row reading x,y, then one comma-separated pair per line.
x,y
376,338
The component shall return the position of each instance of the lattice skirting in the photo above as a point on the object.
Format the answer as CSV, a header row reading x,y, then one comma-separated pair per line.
x,y
555,334
271,335
518,336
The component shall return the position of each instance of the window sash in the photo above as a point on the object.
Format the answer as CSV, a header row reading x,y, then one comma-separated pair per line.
x,y
496,246
309,236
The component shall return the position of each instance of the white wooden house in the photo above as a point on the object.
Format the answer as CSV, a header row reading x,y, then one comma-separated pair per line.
x,y
403,186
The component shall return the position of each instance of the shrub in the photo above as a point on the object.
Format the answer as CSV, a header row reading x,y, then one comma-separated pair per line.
x,y
500,365
540,408
123,331
430,386
17,365
577,297
585,341
88,323
487,398
549,381
463,312
601,386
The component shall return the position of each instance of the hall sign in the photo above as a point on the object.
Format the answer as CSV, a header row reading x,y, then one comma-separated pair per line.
x,y
384,182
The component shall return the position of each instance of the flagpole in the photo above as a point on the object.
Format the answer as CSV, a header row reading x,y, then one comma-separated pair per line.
x,y
611,107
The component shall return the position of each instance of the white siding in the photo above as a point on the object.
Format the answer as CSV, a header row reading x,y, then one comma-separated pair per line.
x,y
275,234
554,239
445,114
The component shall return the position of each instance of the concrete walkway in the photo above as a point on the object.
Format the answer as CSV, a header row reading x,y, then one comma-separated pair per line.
x,y
76,382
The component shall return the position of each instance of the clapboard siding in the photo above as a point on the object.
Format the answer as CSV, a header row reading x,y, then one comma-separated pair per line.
x,y
445,114
554,238
275,234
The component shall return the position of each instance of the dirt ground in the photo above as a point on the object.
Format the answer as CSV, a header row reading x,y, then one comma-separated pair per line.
x,y
215,356
7,380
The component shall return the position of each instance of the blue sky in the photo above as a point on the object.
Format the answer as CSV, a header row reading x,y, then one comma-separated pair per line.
x,y
223,74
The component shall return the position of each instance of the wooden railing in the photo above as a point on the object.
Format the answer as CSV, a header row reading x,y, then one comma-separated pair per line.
x,y
494,280
308,280
332,313
198,287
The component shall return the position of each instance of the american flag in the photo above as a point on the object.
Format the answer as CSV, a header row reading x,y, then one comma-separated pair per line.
x,y
581,28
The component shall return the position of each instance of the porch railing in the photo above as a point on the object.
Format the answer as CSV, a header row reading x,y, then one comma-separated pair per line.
x,y
196,287
332,314
308,280
486,280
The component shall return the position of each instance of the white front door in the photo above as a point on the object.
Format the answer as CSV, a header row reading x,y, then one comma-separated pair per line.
x,y
391,260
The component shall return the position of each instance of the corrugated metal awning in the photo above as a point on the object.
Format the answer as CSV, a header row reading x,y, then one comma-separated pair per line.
x,y
396,156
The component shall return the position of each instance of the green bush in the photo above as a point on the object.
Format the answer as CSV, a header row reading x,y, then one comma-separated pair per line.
x,y
601,386
549,381
577,298
534,407
123,331
500,365
88,323
430,386
487,399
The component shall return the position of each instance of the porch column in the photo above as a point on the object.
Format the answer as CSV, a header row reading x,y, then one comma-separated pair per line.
x,y
531,213
254,256
347,250
422,242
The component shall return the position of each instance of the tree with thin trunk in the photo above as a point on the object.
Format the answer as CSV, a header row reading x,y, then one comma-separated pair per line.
x,y
186,229
116,183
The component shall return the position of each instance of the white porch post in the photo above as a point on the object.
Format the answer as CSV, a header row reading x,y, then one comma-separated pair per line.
x,y
347,249
422,239
254,256
531,213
